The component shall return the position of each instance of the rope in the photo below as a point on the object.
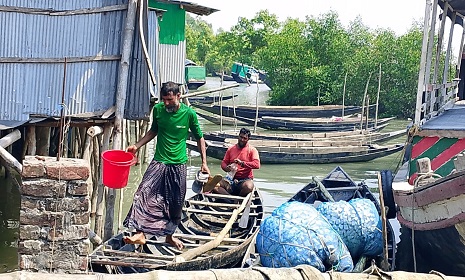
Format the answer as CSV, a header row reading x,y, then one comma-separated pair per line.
x,y
422,176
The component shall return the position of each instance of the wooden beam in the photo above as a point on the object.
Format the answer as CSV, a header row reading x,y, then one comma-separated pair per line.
x,y
10,138
59,60
10,160
51,12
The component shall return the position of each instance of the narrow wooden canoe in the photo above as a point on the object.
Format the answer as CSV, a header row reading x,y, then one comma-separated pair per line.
x,y
366,137
340,187
203,217
300,155
280,111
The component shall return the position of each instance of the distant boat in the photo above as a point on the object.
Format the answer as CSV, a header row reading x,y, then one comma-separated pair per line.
x,y
195,75
209,99
300,155
249,112
370,136
317,124
226,77
217,119
243,73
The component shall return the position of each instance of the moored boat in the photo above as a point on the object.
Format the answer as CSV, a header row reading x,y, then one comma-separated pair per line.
x,y
280,111
429,190
337,186
369,136
204,218
306,154
195,75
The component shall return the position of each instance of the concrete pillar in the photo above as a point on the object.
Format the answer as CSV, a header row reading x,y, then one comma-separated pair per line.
x,y
54,215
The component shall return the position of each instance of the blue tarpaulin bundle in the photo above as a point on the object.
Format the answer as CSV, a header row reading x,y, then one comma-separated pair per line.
x,y
358,223
296,233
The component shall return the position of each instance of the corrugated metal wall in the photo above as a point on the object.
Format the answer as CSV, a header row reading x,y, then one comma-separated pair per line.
x,y
172,58
140,85
35,87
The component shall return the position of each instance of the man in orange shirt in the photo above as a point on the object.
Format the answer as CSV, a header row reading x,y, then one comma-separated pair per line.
x,y
245,158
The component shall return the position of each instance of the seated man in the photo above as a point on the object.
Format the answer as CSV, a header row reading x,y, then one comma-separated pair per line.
x,y
246,158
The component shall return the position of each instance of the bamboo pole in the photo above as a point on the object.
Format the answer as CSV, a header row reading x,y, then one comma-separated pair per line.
x,y
31,140
95,160
189,255
364,100
100,206
10,138
10,160
128,36
256,109
377,96
208,91
344,95
384,263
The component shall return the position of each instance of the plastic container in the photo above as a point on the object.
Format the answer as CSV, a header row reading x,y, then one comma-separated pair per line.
x,y
230,175
116,165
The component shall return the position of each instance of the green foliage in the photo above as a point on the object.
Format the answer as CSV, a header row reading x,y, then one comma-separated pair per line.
x,y
306,61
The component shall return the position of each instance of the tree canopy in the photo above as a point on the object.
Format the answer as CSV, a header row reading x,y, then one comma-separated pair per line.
x,y
311,61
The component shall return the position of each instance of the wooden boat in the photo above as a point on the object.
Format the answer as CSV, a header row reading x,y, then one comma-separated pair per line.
x,y
319,124
430,190
249,112
195,75
204,217
338,186
370,136
243,73
300,155
217,119
209,99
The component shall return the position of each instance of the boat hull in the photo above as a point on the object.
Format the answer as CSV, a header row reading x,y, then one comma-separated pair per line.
x,y
283,155
341,187
203,217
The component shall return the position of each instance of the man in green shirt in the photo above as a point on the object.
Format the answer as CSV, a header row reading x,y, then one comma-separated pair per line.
x,y
158,201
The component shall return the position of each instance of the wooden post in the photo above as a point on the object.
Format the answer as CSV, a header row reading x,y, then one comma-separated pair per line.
x,y
377,97
100,206
256,109
344,95
364,100
10,138
43,141
128,36
10,160
30,144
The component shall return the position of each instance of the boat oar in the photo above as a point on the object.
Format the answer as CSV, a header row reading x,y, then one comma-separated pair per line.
x,y
323,189
384,263
189,255
245,216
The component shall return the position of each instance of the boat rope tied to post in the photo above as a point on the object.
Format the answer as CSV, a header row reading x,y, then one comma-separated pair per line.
x,y
296,233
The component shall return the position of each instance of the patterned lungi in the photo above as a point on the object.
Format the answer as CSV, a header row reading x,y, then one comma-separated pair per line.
x,y
158,201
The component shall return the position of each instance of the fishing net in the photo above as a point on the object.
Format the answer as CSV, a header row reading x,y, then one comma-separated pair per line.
x,y
296,233
358,224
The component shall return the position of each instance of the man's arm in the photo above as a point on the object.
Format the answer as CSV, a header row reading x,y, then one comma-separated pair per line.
x,y
144,140
253,162
203,155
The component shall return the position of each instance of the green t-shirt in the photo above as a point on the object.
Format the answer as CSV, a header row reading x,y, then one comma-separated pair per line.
x,y
172,131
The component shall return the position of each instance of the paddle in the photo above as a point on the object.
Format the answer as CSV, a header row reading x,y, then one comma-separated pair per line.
x,y
189,255
245,216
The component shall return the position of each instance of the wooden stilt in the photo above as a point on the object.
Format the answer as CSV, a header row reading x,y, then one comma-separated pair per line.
x,y
43,141
100,206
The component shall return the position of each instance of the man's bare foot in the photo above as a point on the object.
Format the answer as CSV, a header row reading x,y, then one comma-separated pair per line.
x,y
174,242
138,238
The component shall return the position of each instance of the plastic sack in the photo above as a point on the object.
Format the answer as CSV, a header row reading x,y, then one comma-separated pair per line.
x,y
358,224
296,233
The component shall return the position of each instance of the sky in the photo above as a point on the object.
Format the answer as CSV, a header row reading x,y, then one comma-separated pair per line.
x,y
397,15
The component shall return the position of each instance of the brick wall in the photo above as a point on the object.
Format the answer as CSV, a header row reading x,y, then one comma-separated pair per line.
x,y
54,215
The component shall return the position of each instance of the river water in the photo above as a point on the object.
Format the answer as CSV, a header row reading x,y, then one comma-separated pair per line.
x,y
277,183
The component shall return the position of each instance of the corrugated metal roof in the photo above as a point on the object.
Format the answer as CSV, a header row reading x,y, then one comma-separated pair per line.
x,y
192,7
37,36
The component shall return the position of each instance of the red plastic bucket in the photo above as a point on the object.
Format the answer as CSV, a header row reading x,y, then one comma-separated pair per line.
x,y
115,168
